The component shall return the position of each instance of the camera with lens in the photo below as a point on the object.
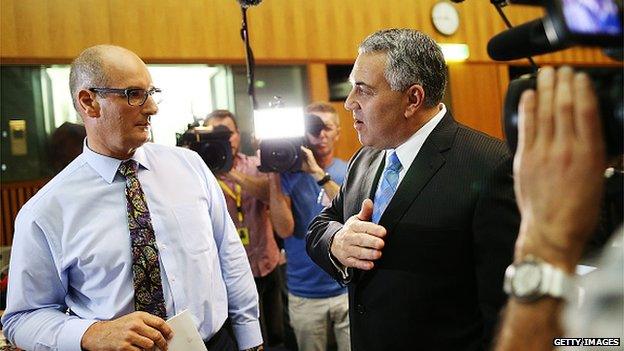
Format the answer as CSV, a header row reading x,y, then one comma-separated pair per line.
x,y
211,143
567,23
285,154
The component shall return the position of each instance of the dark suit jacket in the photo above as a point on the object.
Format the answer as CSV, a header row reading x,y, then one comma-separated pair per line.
x,y
451,225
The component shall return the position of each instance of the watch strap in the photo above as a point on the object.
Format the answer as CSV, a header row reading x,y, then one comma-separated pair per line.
x,y
554,282
324,180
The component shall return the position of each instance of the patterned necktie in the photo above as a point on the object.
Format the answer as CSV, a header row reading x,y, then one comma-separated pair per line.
x,y
389,182
148,292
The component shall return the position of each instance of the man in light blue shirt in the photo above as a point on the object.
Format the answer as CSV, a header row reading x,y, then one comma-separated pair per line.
x,y
318,306
71,281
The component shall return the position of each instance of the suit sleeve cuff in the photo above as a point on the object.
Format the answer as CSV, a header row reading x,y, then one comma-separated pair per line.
x,y
71,333
344,271
247,335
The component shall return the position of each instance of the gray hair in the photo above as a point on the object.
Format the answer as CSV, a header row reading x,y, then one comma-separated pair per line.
x,y
412,58
87,70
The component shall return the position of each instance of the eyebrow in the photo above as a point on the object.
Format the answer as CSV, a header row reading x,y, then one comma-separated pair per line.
x,y
363,85
358,83
138,87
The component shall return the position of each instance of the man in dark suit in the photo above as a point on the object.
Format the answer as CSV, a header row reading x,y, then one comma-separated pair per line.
x,y
424,260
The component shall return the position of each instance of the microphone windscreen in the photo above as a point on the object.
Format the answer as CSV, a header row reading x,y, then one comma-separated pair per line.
x,y
518,42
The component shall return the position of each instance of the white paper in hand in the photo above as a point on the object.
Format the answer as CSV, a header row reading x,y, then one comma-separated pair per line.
x,y
185,334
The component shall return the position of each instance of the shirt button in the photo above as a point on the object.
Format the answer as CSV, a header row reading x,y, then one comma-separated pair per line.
x,y
163,246
173,279
359,308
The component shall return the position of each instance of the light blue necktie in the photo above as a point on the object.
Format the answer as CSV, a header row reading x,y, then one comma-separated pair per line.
x,y
388,185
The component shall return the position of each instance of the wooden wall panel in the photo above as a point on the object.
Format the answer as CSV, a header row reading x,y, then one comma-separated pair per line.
x,y
477,96
51,30
14,196
208,30
348,142
318,89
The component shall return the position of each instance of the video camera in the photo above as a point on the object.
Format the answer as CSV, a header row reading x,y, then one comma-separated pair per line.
x,y
567,23
211,143
284,154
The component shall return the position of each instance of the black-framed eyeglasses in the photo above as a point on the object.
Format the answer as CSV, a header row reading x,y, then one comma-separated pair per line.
x,y
135,96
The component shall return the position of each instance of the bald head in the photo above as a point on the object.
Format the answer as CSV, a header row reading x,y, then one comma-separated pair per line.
x,y
92,68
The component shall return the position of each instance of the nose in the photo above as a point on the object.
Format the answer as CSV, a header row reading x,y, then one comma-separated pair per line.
x,y
350,103
150,107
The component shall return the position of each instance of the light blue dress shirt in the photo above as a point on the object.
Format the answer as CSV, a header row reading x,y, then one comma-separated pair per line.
x,y
71,263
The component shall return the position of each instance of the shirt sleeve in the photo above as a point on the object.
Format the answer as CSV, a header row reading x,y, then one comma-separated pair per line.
x,y
286,183
242,295
35,317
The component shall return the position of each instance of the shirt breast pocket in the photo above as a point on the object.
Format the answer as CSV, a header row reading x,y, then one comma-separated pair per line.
x,y
194,226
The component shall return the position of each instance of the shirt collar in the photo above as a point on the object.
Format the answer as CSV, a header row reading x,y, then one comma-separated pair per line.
x,y
407,151
107,166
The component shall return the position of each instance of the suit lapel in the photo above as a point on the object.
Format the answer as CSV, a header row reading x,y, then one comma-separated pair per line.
x,y
371,178
372,169
429,160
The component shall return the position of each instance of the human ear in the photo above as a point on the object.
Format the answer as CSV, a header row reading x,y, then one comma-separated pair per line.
x,y
88,104
415,99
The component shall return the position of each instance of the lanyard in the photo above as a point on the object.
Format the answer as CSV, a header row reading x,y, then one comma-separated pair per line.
x,y
236,195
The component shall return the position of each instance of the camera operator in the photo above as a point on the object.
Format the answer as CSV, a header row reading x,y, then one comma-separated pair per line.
x,y
316,302
247,195
558,183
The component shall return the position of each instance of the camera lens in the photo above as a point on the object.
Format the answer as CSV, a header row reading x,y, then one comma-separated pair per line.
x,y
281,155
216,155
609,91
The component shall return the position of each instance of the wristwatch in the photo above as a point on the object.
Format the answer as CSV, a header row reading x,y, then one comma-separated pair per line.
x,y
255,348
532,279
324,180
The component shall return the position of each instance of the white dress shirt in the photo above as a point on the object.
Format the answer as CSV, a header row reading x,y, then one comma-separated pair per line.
x,y
71,250
408,151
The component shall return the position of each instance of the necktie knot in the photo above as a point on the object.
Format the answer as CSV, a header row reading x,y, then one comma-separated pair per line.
x,y
394,163
128,168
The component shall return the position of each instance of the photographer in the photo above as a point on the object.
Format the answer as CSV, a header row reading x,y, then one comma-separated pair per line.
x,y
247,196
316,302
558,183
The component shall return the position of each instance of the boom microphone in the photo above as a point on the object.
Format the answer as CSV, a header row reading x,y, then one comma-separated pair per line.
x,y
249,3
522,41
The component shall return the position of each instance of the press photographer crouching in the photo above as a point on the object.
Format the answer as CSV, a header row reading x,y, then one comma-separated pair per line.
x,y
247,196
315,298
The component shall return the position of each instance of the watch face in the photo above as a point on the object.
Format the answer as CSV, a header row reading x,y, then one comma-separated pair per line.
x,y
445,18
527,280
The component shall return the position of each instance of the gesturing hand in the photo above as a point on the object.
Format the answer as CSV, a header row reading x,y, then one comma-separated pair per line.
x,y
134,331
558,166
360,241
